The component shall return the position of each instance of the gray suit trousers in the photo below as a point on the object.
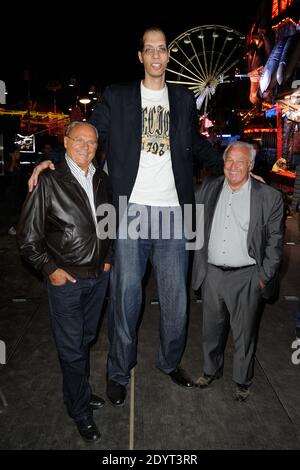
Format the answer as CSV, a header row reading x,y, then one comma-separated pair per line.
x,y
231,299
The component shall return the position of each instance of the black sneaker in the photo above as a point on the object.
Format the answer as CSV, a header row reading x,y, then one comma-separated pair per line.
x,y
205,380
180,377
241,392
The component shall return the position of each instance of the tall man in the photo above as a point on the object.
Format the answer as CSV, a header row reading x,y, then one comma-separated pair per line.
x,y
150,131
57,235
238,264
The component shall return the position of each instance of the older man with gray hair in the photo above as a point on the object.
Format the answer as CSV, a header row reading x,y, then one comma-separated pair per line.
x,y
57,235
238,263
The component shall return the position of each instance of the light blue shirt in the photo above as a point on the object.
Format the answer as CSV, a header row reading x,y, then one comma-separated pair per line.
x,y
228,237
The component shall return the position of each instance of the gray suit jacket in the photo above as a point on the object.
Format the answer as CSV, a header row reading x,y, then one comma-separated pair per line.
x,y
265,234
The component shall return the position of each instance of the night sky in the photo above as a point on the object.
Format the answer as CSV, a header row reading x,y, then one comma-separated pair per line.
x,y
96,45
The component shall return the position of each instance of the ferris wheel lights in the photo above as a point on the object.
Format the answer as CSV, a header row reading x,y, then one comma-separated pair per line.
x,y
204,56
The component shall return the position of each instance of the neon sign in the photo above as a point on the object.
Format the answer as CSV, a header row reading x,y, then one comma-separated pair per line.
x,y
279,6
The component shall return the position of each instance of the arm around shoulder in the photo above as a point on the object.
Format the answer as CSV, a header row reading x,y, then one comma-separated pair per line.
x,y
33,180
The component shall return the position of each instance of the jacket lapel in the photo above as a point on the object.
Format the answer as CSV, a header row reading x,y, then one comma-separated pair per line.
x,y
135,110
65,173
213,200
174,103
255,209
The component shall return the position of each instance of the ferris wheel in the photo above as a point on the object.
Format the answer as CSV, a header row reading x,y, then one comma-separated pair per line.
x,y
203,57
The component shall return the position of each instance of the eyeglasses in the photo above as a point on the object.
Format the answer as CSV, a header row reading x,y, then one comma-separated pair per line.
x,y
159,50
79,142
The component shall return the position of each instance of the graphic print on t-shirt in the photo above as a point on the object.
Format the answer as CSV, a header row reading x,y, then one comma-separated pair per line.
x,y
155,184
155,130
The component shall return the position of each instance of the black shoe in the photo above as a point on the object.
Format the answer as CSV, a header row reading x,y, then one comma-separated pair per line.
x,y
241,392
88,429
205,380
116,393
180,377
96,402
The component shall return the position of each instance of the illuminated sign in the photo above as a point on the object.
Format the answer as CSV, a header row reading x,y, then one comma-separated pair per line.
x,y
279,6
26,143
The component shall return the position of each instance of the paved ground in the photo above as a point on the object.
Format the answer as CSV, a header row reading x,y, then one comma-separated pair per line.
x,y
158,414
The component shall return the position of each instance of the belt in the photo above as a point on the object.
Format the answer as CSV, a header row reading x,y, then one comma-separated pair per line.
x,y
231,268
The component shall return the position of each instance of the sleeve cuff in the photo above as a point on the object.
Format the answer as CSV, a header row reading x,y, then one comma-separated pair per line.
x,y
49,268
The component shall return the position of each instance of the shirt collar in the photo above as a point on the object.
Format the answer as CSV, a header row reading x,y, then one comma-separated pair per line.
x,y
76,169
245,188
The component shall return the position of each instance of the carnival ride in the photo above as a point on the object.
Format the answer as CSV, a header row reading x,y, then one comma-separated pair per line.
x,y
204,57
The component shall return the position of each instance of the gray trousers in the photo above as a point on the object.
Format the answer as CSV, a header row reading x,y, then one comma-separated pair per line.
x,y
231,299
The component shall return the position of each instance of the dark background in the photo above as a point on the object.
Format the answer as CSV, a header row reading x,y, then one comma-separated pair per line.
x,y
50,41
